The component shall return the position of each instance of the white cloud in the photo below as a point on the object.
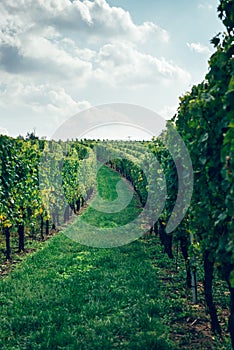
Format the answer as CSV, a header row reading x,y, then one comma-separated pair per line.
x,y
53,51
94,19
206,6
42,99
168,112
97,19
115,64
199,48
121,63
3,131
35,53
41,39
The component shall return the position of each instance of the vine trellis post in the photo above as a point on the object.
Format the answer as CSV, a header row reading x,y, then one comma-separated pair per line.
x,y
193,273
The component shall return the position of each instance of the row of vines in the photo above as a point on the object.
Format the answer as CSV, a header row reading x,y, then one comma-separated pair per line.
x,y
205,121
39,185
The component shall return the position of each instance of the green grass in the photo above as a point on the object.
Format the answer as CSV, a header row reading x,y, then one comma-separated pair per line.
x,y
177,310
107,181
69,296
96,226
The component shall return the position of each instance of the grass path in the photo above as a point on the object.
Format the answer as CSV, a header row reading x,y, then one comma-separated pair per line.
x,y
69,296
108,179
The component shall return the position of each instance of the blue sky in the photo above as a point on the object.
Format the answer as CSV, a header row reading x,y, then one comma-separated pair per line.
x,y
59,57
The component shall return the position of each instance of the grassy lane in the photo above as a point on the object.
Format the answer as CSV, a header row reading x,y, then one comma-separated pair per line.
x,y
69,296
107,182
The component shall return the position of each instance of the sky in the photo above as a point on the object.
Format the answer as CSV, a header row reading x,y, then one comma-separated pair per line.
x,y
60,57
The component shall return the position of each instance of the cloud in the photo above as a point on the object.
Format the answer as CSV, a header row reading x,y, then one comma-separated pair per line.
x,y
37,54
41,38
43,51
53,51
115,64
3,131
205,6
117,22
199,48
42,99
121,63
168,112
97,20
94,19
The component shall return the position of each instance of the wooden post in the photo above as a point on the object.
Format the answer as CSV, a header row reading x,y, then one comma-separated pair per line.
x,y
193,275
